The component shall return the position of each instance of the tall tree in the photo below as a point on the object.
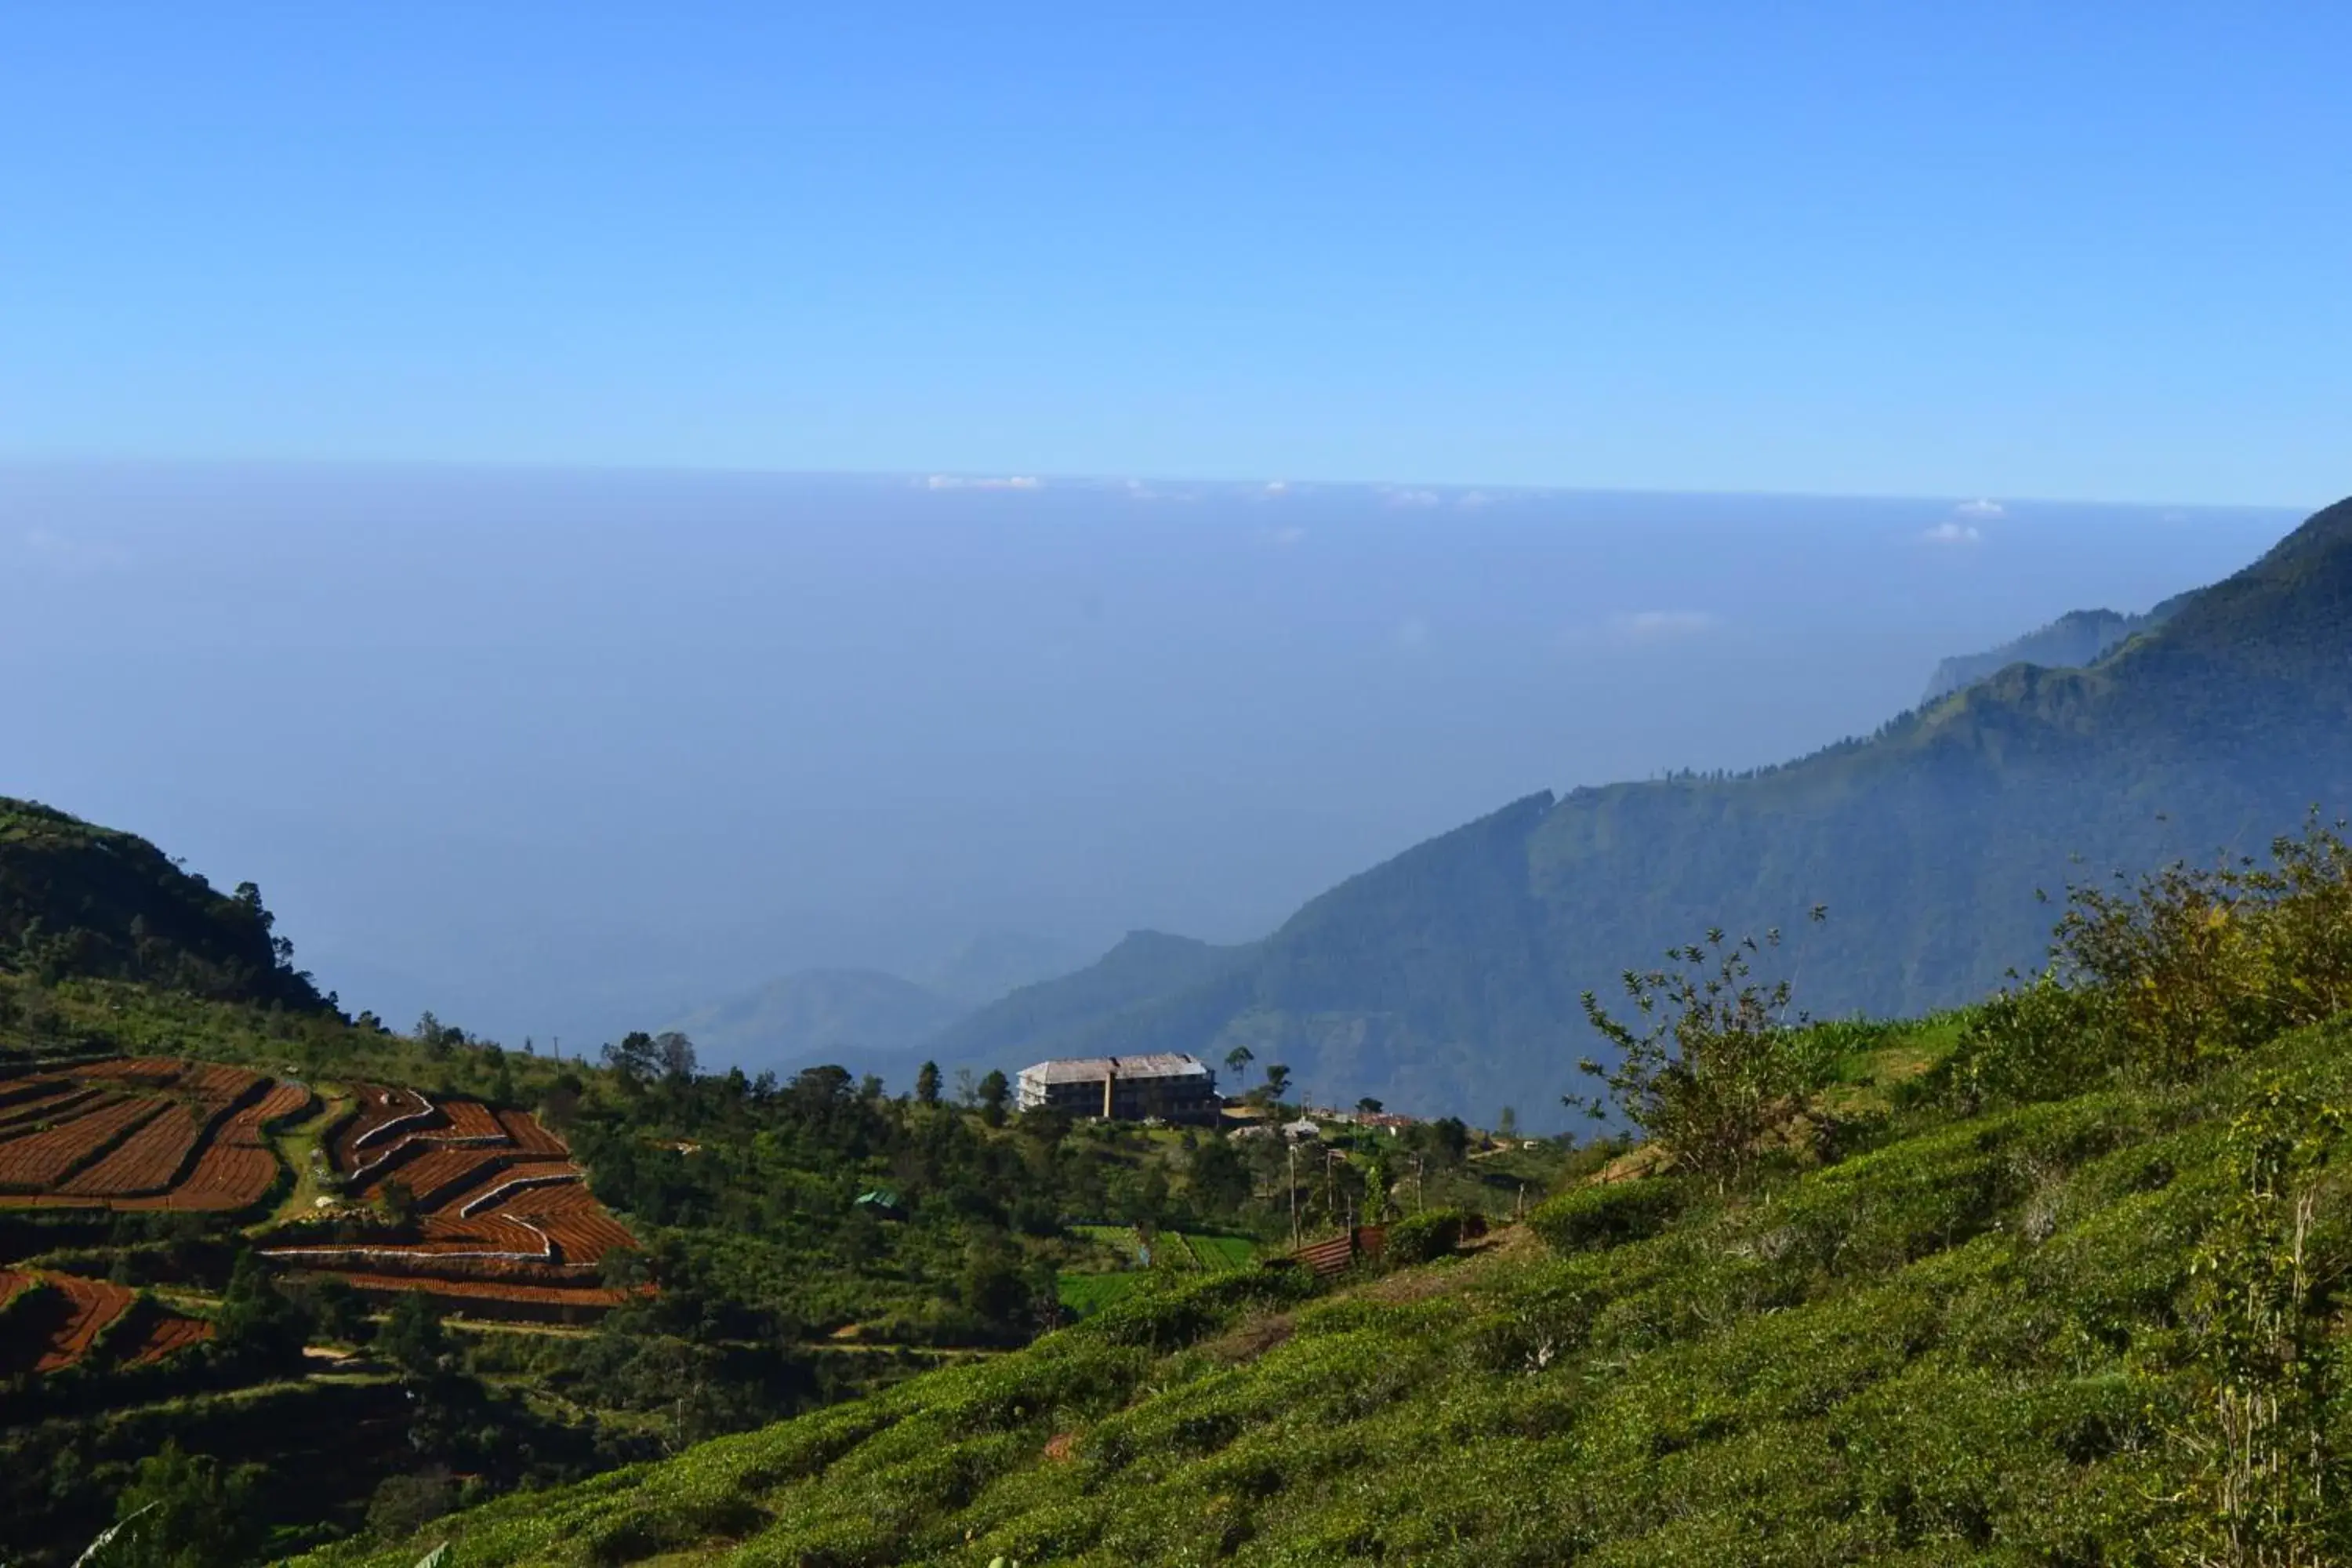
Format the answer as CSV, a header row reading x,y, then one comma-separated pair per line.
x,y
184,1511
676,1054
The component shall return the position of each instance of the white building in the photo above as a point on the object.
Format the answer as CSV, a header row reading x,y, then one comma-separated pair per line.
x,y
1166,1085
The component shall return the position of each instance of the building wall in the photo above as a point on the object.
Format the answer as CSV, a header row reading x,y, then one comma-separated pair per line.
x,y
1191,1098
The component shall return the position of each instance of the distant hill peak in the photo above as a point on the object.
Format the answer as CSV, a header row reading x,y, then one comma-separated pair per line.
x,y
2077,638
1143,940
2326,531
852,1016
995,964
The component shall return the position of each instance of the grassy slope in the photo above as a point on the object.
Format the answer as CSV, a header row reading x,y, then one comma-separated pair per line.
x,y
1959,1344
97,1015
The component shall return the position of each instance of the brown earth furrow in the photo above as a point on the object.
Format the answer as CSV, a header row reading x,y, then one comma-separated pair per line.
x,y
169,1333
76,1100
91,1306
36,1163
147,1162
530,1137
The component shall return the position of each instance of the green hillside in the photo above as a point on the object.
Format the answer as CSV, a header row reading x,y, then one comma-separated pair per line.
x,y
776,1287
2053,1280
92,902
1446,978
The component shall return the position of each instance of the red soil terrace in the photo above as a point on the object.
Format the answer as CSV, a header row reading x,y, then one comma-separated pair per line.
x,y
499,1211
502,1214
141,1133
52,1321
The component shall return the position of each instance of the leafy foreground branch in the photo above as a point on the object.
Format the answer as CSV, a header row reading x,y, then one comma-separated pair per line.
x,y
1718,1072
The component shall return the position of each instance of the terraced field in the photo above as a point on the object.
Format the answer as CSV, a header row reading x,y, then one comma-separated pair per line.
x,y
141,1133
494,1210
504,1220
163,1334
51,1322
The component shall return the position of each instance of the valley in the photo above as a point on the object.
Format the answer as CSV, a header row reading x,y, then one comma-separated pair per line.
x,y
811,1315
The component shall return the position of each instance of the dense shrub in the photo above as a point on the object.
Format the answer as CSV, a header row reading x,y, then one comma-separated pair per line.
x,y
1166,1317
1708,1068
1422,1238
1608,1214
2165,977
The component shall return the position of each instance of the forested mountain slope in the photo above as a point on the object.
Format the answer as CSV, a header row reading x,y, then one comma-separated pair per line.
x,y
2074,639
93,902
1068,1015
1446,979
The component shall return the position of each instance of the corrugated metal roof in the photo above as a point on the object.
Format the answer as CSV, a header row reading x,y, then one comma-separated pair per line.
x,y
1092,1069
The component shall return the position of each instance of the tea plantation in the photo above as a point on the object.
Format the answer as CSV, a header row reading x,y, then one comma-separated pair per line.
x,y
1967,1332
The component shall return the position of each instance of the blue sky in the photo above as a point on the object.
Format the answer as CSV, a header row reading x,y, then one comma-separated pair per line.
x,y
2068,251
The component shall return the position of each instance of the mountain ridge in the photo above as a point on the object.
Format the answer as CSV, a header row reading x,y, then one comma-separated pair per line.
x,y
1446,978
2074,640
1071,1015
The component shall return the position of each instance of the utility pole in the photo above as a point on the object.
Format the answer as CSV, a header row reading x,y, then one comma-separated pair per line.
x,y
1292,1150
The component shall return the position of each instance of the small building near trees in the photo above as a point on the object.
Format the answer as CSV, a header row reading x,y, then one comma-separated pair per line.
x,y
1168,1086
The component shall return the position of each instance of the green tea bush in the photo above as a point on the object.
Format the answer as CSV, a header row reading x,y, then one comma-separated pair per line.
x,y
1423,1237
1169,1316
1584,1219
2038,1041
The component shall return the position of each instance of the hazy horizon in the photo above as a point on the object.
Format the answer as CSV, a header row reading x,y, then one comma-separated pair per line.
x,y
571,753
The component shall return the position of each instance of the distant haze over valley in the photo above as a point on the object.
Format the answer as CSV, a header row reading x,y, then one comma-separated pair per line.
x,y
563,754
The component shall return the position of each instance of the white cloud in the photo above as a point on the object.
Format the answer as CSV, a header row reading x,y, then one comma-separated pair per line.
x,y
1651,626
1414,498
1980,509
1474,498
1278,487
976,482
1949,533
